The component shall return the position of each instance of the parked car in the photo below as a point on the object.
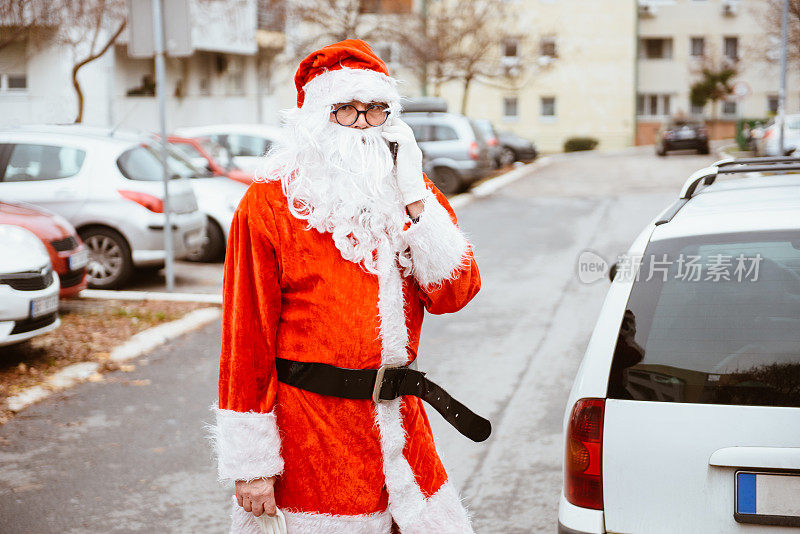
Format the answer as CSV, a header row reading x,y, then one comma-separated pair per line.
x,y
454,146
490,136
68,255
28,289
684,415
681,134
246,143
217,198
206,154
109,187
515,148
767,140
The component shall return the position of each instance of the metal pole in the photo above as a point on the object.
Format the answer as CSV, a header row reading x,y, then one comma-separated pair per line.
x,y
424,36
158,38
782,90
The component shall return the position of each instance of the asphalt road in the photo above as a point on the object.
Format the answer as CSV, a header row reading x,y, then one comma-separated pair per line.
x,y
129,455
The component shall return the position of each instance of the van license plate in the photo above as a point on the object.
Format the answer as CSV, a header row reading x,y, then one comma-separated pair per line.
x,y
767,498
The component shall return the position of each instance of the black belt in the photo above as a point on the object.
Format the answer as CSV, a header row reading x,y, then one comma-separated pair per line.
x,y
386,383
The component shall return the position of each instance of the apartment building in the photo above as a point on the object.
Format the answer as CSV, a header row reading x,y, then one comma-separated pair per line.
x,y
578,63
677,37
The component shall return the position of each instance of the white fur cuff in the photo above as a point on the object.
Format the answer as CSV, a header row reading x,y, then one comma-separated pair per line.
x,y
438,246
346,84
247,445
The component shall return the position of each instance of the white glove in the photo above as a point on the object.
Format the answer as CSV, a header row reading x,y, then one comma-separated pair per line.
x,y
409,160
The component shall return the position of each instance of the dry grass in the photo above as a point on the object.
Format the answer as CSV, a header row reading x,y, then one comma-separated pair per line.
x,y
89,331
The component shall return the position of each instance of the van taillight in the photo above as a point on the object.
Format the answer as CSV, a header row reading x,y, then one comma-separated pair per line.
x,y
583,465
154,204
473,150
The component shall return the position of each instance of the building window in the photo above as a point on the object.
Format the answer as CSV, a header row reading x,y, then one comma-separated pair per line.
x,y
653,105
698,47
772,103
547,47
548,108
697,110
385,52
510,107
732,48
729,107
655,48
235,75
13,83
510,48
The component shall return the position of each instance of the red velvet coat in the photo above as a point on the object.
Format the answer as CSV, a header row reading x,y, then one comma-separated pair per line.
x,y
344,466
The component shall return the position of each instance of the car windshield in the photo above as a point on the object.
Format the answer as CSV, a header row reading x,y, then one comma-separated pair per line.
x,y
713,320
144,163
681,124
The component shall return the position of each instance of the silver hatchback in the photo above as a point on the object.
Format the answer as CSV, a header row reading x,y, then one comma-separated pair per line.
x,y
109,187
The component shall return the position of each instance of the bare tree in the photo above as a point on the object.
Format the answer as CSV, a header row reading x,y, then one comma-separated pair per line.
x,y
458,41
90,28
27,21
320,22
769,12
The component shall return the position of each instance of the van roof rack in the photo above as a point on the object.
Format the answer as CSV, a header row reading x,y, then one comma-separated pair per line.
x,y
708,176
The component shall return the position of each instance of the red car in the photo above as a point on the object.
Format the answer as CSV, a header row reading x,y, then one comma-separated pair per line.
x,y
67,252
207,155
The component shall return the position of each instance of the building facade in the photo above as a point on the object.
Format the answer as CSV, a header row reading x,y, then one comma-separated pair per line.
x,y
678,37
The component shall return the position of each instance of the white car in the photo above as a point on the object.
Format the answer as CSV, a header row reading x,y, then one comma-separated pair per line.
x,y
684,416
767,140
28,287
246,143
108,185
217,198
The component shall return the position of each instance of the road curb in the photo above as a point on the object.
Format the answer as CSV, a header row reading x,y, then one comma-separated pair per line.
x,y
491,186
136,346
208,298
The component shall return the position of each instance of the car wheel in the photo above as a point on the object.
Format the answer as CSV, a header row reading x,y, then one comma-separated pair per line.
x,y
507,156
660,151
213,247
110,263
704,150
448,181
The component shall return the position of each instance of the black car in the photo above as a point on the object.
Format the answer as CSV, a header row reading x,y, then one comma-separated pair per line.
x,y
515,148
682,134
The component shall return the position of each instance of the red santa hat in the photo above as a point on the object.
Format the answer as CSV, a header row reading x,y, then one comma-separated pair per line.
x,y
344,71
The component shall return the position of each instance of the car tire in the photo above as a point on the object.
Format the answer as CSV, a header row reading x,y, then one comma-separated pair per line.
x,y
447,180
704,150
213,247
507,156
110,262
660,151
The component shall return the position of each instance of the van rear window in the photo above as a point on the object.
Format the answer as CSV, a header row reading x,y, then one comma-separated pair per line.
x,y
713,320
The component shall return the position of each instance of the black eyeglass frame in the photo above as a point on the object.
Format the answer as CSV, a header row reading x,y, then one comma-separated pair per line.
x,y
383,108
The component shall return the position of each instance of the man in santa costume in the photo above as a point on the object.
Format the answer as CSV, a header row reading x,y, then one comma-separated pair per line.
x,y
333,258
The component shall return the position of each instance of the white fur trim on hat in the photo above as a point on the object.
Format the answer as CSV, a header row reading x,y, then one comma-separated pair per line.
x,y
247,445
346,84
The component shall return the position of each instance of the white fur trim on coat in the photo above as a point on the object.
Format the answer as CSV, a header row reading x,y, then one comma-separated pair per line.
x,y
411,511
438,246
247,445
346,84
243,522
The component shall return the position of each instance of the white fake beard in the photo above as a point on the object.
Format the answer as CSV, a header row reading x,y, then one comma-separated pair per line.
x,y
340,180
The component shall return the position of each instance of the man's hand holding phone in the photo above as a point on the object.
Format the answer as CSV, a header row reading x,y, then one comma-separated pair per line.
x,y
409,160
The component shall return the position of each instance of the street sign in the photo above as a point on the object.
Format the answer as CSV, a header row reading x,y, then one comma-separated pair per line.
x,y
177,28
741,90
